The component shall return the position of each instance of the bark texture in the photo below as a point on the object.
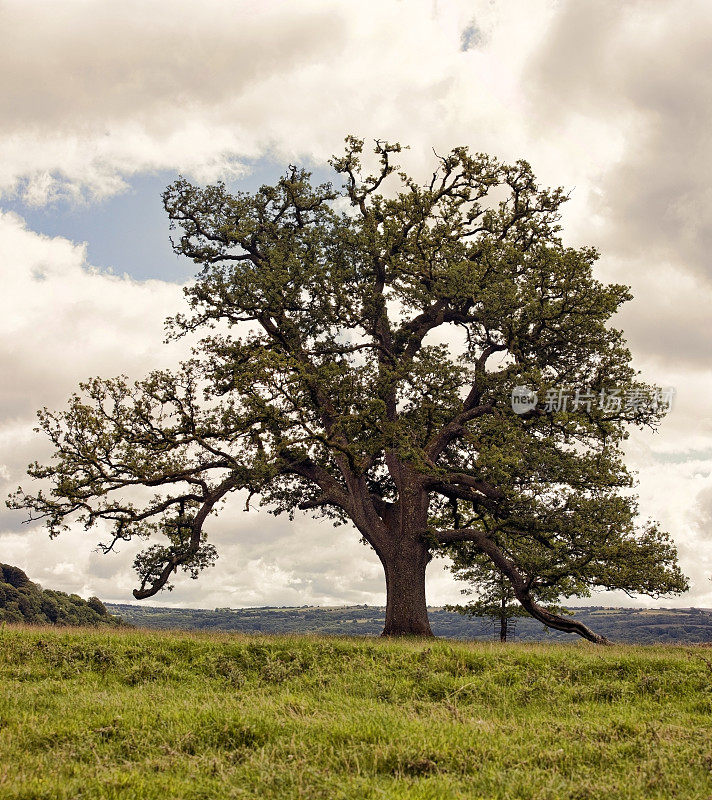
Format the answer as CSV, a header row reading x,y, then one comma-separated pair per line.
x,y
406,607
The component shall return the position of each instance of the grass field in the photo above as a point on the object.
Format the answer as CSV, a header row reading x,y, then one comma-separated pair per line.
x,y
135,714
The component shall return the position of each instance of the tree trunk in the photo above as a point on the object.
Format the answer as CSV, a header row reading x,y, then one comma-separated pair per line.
x,y
503,622
406,608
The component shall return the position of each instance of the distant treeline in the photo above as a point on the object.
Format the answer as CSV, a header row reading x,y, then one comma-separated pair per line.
x,y
23,601
636,626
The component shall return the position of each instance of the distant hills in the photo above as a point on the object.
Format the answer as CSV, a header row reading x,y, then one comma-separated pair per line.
x,y
635,626
23,601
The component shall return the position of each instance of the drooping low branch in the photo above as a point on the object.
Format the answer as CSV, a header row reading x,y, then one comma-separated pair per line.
x,y
184,557
519,585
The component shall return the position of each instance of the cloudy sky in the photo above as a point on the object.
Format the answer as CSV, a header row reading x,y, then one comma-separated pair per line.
x,y
102,104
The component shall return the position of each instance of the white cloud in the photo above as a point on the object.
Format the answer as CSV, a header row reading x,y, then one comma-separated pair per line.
x,y
135,88
643,71
61,322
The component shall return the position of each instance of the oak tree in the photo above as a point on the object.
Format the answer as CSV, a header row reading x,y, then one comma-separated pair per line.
x,y
359,350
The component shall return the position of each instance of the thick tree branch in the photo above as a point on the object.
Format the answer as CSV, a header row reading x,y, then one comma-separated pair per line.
x,y
519,583
150,586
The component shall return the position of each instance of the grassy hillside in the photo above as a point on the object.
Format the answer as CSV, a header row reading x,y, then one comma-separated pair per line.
x,y
629,625
21,600
138,714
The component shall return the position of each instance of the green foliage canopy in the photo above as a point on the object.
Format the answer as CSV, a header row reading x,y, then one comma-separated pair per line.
x,y
359,351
